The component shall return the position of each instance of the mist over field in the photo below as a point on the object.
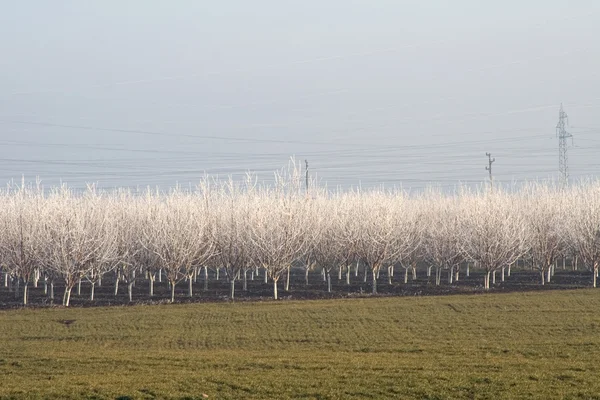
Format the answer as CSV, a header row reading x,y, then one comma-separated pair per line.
x,y
140,93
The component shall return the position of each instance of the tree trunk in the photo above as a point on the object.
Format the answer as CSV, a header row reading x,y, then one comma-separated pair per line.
x,y
374,280
549,273
116,286
25,289
468,269
414,272
245,284
306,276
348,274
172,283
151,278
450,275
67,296
287,279
130,291
508,271
366,273
595,277
232,288
205,278
494,277
340,273
275,288
502,273
160,275
405,275
328,281
429,271
52,290
190,286
486,280
266,276
543,277
218,269
356,270
92,291
79,287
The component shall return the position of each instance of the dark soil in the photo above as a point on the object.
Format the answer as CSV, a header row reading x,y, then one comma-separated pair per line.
x,y
519,281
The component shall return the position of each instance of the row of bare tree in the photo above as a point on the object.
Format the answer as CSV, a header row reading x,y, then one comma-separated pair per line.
x,y
242,229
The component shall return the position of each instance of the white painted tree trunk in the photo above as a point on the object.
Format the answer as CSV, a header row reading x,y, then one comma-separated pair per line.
x,y
130,291
116,286
25,290
494,277
218,269
356,270
340,272
375,273
52,290
151,278
232,289
287,279
429,271
266,276
486,280
450,275
543,277
79,287
5,279
405,275
67,297
328,282
549,272
275,288
306,276
190,286
414,273
92,291
36,277
172,284
508,272
348,274
205,278
502,273
245,282
160,275
468,269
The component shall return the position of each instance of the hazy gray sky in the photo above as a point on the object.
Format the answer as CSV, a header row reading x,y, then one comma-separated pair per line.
x,y
369,91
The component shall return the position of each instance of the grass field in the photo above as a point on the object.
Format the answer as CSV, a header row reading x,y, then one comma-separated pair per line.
x,y
520,345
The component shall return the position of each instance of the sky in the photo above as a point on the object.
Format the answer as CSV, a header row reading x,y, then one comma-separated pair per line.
x,y
370,92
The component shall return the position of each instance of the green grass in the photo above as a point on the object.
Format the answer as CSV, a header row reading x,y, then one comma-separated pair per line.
x,y
523,345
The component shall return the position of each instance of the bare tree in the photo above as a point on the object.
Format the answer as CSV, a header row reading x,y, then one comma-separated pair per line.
x,y
493,231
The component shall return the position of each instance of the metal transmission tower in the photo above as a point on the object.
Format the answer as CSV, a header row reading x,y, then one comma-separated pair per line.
x,y
489,168
562,134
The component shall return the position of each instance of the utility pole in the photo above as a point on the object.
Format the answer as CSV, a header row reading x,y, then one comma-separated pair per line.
x,y
306,161
489,168
562,134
